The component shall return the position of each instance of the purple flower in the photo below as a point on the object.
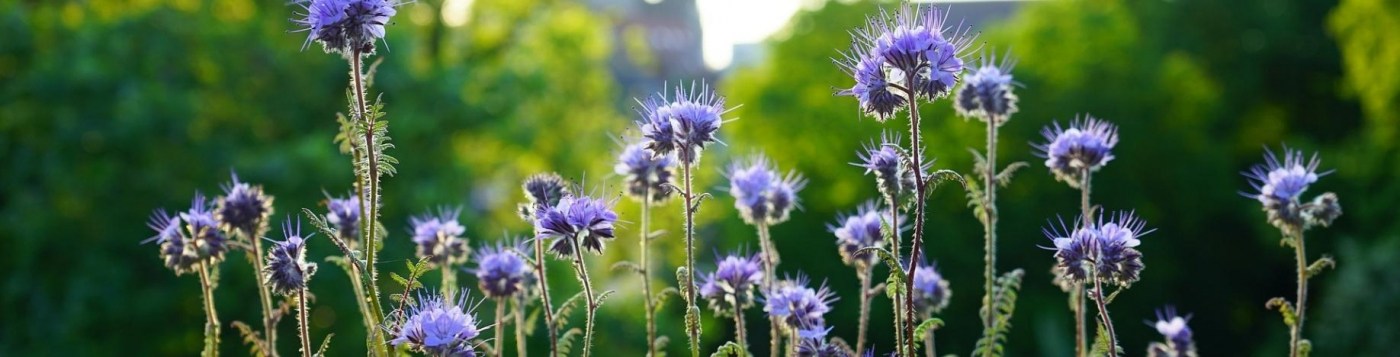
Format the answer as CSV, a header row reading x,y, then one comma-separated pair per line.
x,y
1085,146
891,166
175,248
818,347
931,293
859,230
542,190
909,53
502,273
439,237
872,89
345,26
207,242
683,124
1108,247
439,327
1178,335
986,94
760,195
731,285
287,271
801,308
587,219
1280,184
344,217
648,176
243,207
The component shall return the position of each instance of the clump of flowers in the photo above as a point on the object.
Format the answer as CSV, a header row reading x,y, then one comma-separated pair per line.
x,y
344,217
439,237
931,293
859,230
347,27
730,287
801,308
760,194
819,347
1280,183
287,271
987,94
206,242
894,176
1105,250
586,218
1081,148
502,273
243,207
909,54
176,250
1178,336
684,123
648,176
542,190
439,327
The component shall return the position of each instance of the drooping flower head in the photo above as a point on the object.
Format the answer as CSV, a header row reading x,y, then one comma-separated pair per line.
x,y
801,308
542,190
1107,249
861,229
587,219
439,237
872,90
891,165
909,53
684,123
732,283
206,240
931,292
1086,145
648,176
176,249
502,273
987,94
344,216
1178,335
439,327
760,194
287,271
347,27
243,207
1280,184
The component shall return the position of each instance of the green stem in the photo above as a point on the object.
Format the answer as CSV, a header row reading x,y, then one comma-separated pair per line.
x,y
864,276
739,331
587,295
302,327
929,347
373,201
919,206
211,325
500,335
1296,334
990,212
544,296
692,318
519,312
264,296
645,242
1086,212
899,297
770,262
1103,313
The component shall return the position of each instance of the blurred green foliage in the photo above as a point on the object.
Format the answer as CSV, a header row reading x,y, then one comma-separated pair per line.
x,y
138,104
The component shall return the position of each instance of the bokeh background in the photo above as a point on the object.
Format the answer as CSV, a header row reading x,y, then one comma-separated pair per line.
x,y
112,108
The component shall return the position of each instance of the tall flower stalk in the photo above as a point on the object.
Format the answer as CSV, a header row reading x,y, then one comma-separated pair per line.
x,y
196,249
855,233
287,273
931,294
575,224
244,210
542,192
765,198
211,326
649,181
438,238
894,178
504,276
1280,183
729,289
1100,253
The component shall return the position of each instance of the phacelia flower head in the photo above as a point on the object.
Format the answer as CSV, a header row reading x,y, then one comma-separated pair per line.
x,y
344,217
176,249
1178,335
892,167
1280,184
872,89
243,207
801,308
931,292
683,124
732,283
1106,249
760,194
819,347
205,238
287,271
859,230
542,190
439,237
348,27
438,327
1086,145
587,219
987,94
502,273
648,176
912,53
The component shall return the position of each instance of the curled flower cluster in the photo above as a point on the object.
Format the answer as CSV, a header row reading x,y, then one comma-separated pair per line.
x,y
287,271
819,347
1107,246
859,230
588,219
243,207
731,285
986,93
206,242
1086,145
908,54
1280,184
648,176
891,166
347,27
1178,336
344,217
438,327
684,124
760,195
439,237
931,293
176,250
501,273
801,308
542,190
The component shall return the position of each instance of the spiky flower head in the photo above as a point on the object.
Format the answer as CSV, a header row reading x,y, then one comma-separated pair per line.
x,y
819,347
439,237
684,123
502,273
801,308
348,27
732,283
987,94
207,241
344,217
648,176
911,53
542,190
760,194
287,271
872,89
439,327
892,167
176,249
1086,145
1280,184
1178,336
862,229
931,292
1108,246
243,208
589,220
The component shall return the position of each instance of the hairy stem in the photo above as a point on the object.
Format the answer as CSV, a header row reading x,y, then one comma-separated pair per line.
x,y
1103,314
264,296
692,321
770,262
211,325
1296,334
372,194
740,334
898,299
645,242
359,289
1081,346
587,295
544,296
302,327
864,276
929,350
449,281
500,333
919,206
519,312
989,207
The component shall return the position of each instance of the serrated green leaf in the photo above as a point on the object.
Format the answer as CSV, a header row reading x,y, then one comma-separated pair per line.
x,y
1102,346
250,338
561,314
661,297
927,326
325,343
730,349
1322,263
565,342
628,267
1285,308
1003,303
